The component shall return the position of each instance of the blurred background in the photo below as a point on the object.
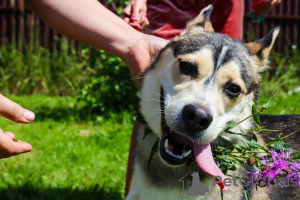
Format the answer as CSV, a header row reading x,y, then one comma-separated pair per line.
x,y
84,102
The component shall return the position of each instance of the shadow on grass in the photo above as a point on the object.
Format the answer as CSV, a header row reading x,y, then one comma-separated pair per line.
x,y
30,193
57,114
72,114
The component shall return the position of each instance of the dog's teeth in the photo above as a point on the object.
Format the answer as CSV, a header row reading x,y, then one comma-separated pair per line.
x,y
169,152
166,143
175,156
187,153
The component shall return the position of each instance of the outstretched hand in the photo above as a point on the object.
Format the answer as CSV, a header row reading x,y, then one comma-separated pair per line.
x,y
14,112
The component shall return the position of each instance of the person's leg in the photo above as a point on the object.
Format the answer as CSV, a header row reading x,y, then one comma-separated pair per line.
x,y
131,158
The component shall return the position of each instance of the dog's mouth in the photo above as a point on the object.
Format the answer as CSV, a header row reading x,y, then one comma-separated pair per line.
x,y
176,149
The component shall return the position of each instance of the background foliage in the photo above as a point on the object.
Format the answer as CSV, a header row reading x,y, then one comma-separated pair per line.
x,y
101,82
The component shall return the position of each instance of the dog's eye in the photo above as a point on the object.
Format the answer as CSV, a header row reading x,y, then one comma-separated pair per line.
x,y
188,69
233,90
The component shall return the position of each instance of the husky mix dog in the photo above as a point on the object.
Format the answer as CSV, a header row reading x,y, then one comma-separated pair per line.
x,y
198,85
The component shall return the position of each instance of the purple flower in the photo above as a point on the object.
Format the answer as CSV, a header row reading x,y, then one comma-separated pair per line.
x,y
279,169
295,166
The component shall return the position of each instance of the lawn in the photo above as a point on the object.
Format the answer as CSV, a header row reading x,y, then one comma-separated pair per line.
x,y
76,160
69,160
77,155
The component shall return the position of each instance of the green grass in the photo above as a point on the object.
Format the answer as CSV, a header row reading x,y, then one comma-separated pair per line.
x,y
285,104
69,160
80,156
282,77
74,158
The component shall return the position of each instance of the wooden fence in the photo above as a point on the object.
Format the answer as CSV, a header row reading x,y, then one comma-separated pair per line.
x,y
286,15
19,25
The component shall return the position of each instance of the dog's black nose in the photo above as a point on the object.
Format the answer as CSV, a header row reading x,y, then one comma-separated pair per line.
x,y
196,118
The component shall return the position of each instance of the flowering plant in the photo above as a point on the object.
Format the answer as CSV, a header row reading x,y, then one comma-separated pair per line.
x,y
280,169
257,18
279,166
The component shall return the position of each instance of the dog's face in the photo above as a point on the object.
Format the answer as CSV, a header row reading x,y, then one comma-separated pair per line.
x,y
199,84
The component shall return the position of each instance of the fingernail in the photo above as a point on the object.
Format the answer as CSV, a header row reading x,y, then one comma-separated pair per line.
x,y
132,18
138,28
29,115
259,3
145,15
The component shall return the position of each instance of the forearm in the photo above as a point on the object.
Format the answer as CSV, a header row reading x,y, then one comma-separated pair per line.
x,y
87,21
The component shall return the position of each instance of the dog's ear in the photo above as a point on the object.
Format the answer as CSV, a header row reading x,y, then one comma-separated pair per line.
x,y
261,48
200,23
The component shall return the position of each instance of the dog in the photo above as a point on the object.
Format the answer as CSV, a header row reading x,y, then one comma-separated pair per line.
x,y
199,84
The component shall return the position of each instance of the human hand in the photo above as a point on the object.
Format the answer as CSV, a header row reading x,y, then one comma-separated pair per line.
x,y
264,6
140,53
14,112
135,14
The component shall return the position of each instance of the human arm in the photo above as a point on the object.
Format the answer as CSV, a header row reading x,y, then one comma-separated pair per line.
x,y
14,112
135,14
264,6
90,22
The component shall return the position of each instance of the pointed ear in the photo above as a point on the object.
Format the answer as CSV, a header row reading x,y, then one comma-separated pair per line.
x,y
261,48
200,23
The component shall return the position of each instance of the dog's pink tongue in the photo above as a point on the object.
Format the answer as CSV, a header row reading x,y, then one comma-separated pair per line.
x,y
205,161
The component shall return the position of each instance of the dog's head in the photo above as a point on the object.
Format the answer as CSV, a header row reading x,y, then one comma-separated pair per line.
x,y
200,83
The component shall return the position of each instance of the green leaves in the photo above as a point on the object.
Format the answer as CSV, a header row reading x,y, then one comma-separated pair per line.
x,y
255,116
296,157
110,87
278,144
266,104
246,193
254,137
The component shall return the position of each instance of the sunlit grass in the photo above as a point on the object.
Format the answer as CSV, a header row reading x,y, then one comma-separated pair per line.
x,y
69,158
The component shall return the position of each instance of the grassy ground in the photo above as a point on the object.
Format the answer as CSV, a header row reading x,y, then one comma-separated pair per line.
x,y
69,160
76,158
72,160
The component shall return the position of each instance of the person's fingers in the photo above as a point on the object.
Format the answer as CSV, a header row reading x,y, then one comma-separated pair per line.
x,y
127,10
11,135
145,23
135,15
135,25
275,3
15,148
20,147
126,19
264,6
14,111
127,13
9,147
